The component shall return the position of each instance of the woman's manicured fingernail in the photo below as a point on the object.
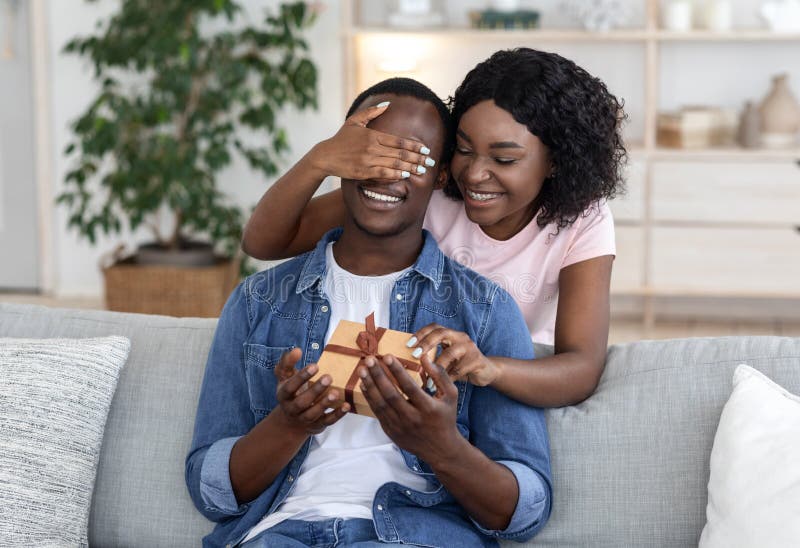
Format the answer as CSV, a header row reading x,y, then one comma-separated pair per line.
x,y
417,352
421,169
405,174
384,104
411,342
430,162
325,381
430,385
424,150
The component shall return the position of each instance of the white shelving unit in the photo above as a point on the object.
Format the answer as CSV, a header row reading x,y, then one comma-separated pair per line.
x,y
718,222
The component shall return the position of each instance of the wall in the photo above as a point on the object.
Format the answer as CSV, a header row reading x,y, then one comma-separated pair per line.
x,y
75,264
18,235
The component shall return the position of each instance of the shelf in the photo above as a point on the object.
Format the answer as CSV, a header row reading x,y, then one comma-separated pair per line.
x,y
579,35
701,292
738,35
544,35
726,153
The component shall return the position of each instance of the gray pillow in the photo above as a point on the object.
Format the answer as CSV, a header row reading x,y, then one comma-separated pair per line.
x,y
54,400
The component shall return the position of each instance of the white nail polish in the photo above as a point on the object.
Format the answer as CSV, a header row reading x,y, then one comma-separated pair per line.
x,y
430,385
424,150
384,104
411,342
421,169
417,352
405,174
430,162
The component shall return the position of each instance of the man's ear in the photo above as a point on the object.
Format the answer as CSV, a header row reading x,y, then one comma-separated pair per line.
x,y
441,177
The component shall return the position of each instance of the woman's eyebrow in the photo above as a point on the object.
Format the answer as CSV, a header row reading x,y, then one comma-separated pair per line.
x,y
499,144
506,144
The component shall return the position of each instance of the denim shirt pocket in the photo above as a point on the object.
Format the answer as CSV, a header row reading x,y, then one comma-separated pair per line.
x,y
260,362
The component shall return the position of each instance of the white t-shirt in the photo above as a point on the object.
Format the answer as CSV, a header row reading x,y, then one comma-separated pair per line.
x,y
349,461
528,264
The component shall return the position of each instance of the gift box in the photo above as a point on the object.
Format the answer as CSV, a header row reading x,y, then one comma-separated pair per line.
x,y
347,348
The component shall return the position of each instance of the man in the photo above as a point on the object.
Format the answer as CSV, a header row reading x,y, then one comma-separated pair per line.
x,y
275,467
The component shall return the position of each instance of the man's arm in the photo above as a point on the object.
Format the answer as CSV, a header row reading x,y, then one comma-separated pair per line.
x,y
509,432
223,394
232,459
257,458
426,426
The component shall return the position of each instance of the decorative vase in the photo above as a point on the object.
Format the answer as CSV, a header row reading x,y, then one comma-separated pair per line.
x,y
750,126
780,115
677,15
782,15
717,15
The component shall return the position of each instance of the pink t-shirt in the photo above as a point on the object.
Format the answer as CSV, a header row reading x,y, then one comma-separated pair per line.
x,y
528,264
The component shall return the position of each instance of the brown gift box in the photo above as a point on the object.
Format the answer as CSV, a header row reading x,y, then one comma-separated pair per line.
x,y
350,343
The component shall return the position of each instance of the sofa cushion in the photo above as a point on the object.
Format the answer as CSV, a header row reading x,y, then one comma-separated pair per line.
x,y
754,489
631,463
54,400
140,497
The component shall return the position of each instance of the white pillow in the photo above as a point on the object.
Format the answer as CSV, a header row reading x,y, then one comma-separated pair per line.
x,y
754,488
54,400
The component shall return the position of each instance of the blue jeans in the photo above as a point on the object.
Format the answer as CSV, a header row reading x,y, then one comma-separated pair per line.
x,y
292,533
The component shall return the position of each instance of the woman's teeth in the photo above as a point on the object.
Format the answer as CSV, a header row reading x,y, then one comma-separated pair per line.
x,y
381,197
481,197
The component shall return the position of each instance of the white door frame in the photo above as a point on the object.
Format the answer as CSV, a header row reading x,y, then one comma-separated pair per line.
x,y
43,153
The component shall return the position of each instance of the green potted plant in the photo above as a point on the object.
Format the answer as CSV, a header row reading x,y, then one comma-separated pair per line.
x,y
180,82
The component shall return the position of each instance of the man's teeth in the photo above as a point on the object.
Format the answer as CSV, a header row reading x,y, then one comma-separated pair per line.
x,y
381,197
481,197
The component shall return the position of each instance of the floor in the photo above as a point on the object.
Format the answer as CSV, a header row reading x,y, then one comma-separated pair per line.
x,y
622,329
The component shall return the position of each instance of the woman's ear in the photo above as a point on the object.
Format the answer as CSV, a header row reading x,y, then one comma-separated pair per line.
x,y
441,177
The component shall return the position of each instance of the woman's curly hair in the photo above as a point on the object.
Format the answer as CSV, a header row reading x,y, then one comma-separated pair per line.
x,y
573,114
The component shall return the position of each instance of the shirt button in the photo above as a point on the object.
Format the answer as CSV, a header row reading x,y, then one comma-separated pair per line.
x,y
399,297
290,479
315,346
408,493
380,508
416,469
324,308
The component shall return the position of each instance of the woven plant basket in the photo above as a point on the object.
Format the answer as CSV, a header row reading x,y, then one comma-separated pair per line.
x,y
170,290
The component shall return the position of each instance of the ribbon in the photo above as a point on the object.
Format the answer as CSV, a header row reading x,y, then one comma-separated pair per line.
x,y
367,342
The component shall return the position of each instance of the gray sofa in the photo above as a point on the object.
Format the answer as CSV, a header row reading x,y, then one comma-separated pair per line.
x,y
630,464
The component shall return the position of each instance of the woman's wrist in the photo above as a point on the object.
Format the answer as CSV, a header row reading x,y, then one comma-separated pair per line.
x,y
316,162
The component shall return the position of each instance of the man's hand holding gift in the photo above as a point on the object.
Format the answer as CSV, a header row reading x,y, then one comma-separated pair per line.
x,y
303,405
416,421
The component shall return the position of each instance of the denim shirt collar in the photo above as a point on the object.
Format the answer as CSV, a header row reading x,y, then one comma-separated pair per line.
x,y
429,264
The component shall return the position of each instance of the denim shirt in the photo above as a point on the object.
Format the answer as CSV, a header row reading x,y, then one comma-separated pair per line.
x,y
284,307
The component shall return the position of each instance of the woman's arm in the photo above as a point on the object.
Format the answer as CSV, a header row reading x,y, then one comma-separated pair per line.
x,y
287,221
581,340
571,374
